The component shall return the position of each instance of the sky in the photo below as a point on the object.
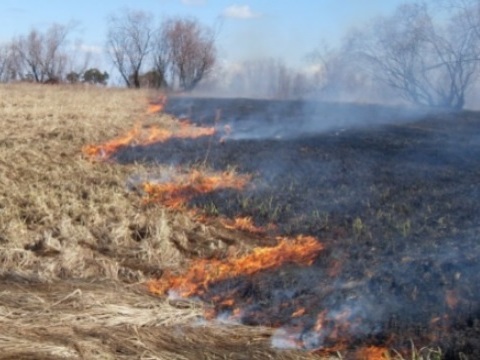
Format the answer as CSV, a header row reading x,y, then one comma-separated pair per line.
x,y
287,29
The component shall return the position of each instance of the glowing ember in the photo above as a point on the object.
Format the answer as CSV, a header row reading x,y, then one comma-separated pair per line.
x,y
177,193
451,299
301,311
202,273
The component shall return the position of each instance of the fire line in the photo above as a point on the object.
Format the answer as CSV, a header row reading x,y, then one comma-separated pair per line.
x,y
146,135
202,273
176,193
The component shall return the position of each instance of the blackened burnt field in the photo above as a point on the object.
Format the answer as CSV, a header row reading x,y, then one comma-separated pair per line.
x,y
392,194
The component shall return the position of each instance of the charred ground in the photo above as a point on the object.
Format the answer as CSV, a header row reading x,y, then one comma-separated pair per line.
x,y
392,193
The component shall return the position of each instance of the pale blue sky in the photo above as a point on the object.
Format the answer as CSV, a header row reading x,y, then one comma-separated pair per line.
x,y
249,29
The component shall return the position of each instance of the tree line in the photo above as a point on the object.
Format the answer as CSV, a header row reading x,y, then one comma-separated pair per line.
x,y
425,52
43,57
177,54
180,52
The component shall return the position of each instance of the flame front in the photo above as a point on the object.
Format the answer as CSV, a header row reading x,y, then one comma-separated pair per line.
x,y
175,194
147,135
245,224
302,250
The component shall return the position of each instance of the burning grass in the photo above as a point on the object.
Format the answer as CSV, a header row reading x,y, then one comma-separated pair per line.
x,y
145,135
202,273
179,191
245,223
78,245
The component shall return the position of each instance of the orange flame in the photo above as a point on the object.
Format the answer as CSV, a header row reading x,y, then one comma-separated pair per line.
x,y
299,312
106,150
373,353
244,224
157,106
176,193
147,135
202,273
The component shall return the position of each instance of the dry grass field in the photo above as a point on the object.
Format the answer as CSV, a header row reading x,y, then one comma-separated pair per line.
x,y
78,244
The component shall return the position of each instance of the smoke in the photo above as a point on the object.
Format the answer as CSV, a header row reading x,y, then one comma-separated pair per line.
x,y
261,78
352,317
249,119
391,193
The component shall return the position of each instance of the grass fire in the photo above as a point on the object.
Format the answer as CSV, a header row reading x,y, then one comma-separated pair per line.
x,y
203,273
250,229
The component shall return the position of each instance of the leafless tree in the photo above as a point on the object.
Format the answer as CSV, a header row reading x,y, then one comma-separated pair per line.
x,y
162,61
466,10
6,58
184,52
339,75
254,78
42,54
129,42
79,60
265,78
427,63
15,68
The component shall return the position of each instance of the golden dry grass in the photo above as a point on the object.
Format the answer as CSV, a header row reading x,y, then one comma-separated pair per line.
x,y
76,245
77,214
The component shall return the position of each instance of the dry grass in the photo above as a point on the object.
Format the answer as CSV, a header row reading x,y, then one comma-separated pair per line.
x,y
76,245
76,213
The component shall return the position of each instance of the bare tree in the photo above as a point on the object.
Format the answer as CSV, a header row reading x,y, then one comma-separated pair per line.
x,y
42,54
468,11
129,42
338,75
29,49
268,78
185,52
162,59
426,63
14,67
6,59
78,61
